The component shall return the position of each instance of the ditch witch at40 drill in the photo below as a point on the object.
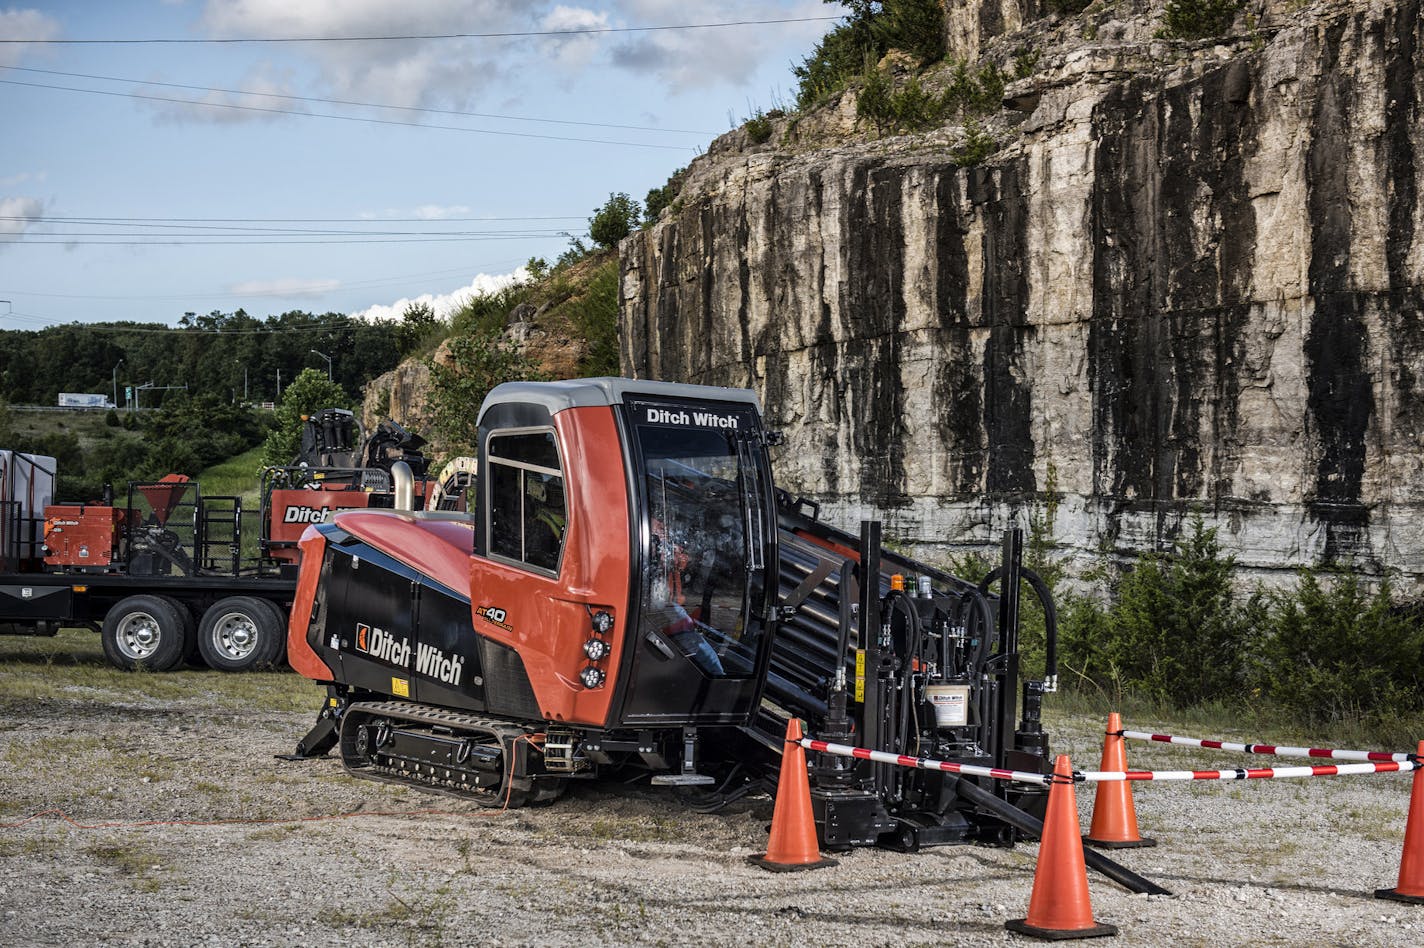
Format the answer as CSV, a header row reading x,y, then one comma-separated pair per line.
x,y
629,592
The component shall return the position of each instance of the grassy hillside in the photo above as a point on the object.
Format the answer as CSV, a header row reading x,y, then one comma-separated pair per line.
x,y
87,425
236,476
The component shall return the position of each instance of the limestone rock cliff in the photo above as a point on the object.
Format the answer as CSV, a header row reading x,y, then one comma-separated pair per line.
x,y
1192,279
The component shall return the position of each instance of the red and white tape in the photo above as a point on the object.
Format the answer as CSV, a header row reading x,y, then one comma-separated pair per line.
x,y
1105,776
924,763
1272,749
1248,773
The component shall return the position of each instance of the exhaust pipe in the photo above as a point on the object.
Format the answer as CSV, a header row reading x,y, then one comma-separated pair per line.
x,y
404,482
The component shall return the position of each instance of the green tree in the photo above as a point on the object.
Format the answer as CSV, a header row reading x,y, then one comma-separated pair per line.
x,y
309,392
1174,632
1337,651
418,325
615,220
460,380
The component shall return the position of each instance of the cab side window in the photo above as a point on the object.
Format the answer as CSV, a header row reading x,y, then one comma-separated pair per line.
x,y
526,498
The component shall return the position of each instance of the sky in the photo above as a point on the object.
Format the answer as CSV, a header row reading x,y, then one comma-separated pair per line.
x,y
144,180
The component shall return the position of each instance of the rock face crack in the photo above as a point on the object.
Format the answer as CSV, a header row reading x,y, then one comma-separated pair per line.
x,y
1196,288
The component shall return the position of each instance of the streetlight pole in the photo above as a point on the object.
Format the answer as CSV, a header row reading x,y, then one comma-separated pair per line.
x,y
328,363
116,383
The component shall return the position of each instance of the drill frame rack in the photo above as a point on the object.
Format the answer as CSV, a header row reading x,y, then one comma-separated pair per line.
x,y
866,661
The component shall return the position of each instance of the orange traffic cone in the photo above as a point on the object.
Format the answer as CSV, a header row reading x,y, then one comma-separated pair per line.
x,y
1114,815
1411,864
1059,907
793,826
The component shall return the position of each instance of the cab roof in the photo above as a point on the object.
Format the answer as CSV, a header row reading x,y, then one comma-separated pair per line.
x,y
581,393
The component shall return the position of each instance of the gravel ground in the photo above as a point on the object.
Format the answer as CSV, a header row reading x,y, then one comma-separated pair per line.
x,y
1272,862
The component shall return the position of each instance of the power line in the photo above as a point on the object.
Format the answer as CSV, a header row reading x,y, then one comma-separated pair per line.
x,y
294,220
366,105
191,230
512,34
344,118
259,241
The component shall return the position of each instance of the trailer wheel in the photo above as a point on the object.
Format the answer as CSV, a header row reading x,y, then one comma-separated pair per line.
x,y
281,617
191,657
144,632
240,633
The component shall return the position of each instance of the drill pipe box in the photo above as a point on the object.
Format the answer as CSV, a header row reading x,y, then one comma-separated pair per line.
x,y
82,535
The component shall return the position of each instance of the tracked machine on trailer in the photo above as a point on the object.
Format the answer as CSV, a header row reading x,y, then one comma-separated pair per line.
x,y
630,593
167,572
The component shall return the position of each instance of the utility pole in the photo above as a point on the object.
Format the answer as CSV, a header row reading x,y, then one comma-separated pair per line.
x,y
156,388
116,383
328,363
279,385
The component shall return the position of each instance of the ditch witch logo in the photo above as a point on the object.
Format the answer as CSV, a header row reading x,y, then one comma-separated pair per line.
x,y
429,660
307,515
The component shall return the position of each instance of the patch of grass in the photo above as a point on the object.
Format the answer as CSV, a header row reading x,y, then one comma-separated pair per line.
x,y
641,830
141,867
14,847
237,476
70,666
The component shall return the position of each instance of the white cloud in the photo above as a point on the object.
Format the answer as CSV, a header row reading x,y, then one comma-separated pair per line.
x,y
18,215
424,212
685,59
436,212
262,90
24,25
425,73
445,304
285,288
572,53
14,180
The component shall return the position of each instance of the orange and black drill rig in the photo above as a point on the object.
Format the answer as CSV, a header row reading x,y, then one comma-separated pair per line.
x,y
628,592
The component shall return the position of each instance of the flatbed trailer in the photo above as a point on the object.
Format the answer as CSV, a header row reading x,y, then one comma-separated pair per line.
x,y
167,575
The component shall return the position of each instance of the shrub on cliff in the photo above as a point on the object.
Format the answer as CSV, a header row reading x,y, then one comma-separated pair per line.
x,y
473,365
1198,19
615,220
659,198
872,28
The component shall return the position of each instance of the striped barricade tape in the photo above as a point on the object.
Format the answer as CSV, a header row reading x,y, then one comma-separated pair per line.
x,y
1266,748
1249,773
1102,776
925,763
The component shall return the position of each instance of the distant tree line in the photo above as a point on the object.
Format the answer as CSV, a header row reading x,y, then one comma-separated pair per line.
x,y
209,354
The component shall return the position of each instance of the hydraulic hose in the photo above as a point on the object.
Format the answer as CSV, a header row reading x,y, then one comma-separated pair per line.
x,y
1050,614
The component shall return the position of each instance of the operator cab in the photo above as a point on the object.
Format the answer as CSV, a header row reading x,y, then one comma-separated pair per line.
x,y
705,539
666,485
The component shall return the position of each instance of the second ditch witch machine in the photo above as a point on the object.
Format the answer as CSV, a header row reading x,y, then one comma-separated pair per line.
x,y
629,592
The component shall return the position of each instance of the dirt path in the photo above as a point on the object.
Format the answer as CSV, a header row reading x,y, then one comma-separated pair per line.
x,y
1273,862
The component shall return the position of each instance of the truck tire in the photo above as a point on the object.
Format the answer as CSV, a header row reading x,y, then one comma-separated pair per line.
x,y
191,657
144,632
282,616
240,633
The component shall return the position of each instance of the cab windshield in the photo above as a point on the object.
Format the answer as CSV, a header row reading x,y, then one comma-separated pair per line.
x,y
706,546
